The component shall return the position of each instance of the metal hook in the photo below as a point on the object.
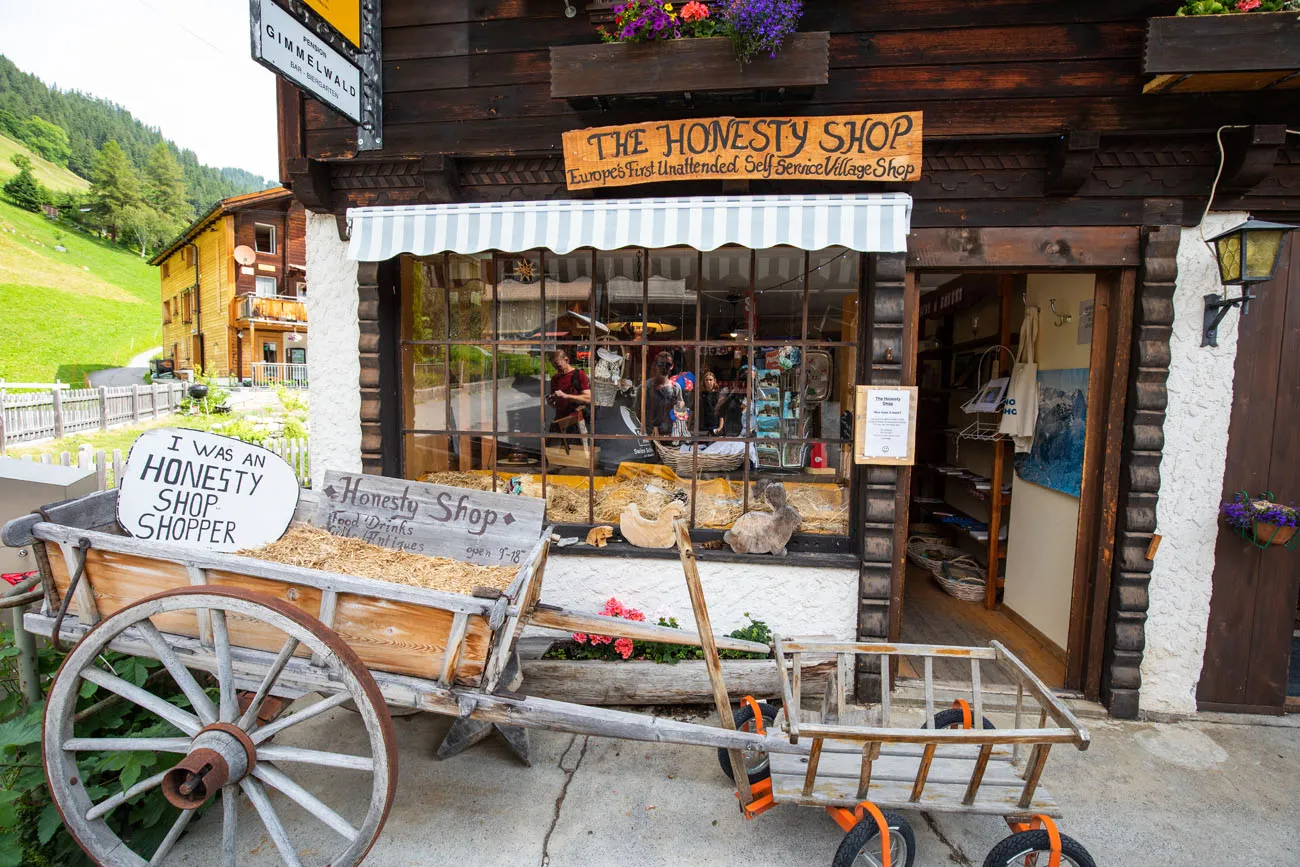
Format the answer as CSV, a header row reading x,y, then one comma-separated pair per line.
x,y
1061,318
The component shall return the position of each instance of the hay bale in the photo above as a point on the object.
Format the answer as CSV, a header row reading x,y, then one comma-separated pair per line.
x,y
313,548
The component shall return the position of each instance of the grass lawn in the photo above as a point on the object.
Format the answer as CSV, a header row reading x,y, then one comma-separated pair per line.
x,y
52,176
68,313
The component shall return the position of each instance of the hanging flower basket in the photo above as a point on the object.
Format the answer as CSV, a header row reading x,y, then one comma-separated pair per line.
x,y
1261,521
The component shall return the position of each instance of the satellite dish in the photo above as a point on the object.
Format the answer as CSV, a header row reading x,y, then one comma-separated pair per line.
x,y
244,255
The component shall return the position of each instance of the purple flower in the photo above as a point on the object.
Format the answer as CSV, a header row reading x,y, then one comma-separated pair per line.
x,y
760,26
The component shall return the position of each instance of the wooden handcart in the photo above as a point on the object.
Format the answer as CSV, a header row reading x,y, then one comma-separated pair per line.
x,y
950,760
264,630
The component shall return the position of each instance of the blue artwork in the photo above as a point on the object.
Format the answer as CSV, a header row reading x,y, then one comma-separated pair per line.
x,y
1056,459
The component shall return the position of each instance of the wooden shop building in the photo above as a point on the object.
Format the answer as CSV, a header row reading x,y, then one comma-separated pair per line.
x,y
973,160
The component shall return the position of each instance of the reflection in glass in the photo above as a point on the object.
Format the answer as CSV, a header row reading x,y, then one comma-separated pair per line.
x,y
833,294
519,295
778,288
672,288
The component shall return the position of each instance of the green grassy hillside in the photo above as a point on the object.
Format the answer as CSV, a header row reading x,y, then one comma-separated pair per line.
x,y
56,178
67,313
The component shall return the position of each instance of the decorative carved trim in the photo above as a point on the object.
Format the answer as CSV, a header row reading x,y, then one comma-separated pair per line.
x,y
885,290
1140,485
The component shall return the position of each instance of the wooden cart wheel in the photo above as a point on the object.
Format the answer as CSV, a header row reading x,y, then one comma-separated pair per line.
x,y
224,751
861,846
1033,848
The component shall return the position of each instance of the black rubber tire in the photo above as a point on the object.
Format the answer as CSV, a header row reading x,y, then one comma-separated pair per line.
x,y
951,719
866,830
745,716
1011,852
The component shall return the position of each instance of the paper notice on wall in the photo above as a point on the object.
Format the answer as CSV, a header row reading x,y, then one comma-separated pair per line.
x,y
1085,322
886,424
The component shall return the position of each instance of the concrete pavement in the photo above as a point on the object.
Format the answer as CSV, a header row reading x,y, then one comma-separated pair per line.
x,y
1159,794
132,374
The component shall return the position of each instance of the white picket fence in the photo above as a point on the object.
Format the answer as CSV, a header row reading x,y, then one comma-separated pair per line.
x,y
39,415
108,465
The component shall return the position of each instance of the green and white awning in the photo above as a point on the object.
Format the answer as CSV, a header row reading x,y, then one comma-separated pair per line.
x,y
869,223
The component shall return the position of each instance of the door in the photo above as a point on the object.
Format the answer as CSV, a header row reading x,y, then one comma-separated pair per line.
x,y
1253,602
269,350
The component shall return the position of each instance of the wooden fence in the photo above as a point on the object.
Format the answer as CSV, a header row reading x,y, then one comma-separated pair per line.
x,y
39,415
108,466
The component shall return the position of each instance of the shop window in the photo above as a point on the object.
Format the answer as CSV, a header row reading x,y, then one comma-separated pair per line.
x,y
264,238
296,355
680,380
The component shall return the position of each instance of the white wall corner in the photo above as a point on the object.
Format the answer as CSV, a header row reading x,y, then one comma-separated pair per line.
x,y
333,358
1191,480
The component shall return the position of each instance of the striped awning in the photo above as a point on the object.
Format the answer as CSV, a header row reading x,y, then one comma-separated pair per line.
x,y
869,223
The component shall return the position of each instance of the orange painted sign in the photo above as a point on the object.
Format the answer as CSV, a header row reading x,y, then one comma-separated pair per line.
x,y
880,148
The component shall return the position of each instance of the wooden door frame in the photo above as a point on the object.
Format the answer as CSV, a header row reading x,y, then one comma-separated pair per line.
x,y
1111,353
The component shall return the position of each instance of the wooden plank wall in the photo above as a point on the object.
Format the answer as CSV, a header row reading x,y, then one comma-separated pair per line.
x,y
472,80
1253,604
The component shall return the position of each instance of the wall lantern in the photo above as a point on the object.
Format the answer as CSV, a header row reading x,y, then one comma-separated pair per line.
x,y
1262,244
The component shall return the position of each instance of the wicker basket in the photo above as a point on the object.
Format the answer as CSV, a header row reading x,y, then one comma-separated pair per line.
x,y
959,574
680,462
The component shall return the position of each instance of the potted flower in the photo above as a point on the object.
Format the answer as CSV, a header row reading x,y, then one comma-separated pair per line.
x,y
655,48
1262,521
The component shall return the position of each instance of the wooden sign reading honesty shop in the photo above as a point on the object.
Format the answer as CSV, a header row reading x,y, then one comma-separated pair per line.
x,y
884,147
435,520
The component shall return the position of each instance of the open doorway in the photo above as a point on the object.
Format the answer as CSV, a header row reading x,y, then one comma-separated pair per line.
x,y
980,505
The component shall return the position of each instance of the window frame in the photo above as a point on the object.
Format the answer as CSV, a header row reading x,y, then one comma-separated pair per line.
x,y
648,346
274,240
258,282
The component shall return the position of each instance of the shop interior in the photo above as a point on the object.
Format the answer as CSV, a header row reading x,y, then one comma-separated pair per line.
x,y
710,376
979,505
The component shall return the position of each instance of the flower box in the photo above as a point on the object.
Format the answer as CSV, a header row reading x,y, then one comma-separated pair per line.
x,y
639,682
1202,53
684,66
1261,521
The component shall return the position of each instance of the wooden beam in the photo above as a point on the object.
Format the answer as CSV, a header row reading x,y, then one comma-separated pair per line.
x,y
1071,161
1057,247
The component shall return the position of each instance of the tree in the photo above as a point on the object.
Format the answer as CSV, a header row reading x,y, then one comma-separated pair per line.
x,y
164,185
47,139
114,187
147,227
23,188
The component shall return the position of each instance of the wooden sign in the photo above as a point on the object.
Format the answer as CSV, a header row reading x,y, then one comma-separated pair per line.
x,y
436,520
204,489
859,148
884,429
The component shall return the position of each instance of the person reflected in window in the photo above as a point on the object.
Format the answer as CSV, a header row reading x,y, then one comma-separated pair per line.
x,y
710,393
662,396
570,395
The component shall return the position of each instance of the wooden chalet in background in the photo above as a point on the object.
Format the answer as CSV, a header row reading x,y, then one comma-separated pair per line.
x,y
1058,137
243,320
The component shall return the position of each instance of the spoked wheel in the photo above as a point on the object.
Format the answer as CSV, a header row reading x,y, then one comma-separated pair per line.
x,y
756,761
225,753
1033,848
861,846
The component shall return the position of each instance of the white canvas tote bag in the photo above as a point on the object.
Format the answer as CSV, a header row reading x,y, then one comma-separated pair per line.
x,y
1020,409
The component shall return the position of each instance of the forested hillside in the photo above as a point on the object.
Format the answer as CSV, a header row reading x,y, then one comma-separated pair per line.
x,y
70,128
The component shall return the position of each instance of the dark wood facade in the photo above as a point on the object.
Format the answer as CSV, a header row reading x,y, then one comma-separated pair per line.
x,y
1041,152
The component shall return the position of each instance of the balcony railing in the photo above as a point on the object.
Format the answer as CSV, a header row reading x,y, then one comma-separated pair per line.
x,y
267,375
269,308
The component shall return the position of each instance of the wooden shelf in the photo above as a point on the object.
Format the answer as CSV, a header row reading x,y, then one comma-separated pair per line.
x,y
941,352
968,483
981,537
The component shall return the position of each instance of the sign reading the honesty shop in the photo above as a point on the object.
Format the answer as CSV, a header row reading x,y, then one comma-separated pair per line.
x,y
847,148
435,520
203,489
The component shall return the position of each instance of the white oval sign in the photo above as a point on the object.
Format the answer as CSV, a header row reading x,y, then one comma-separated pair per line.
x,y
204,489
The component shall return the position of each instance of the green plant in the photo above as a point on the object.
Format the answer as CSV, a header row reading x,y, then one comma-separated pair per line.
x,y
291,401
586,646
29,822
216,396
1215,7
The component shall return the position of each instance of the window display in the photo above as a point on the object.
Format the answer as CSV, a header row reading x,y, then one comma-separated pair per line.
x,y
656,377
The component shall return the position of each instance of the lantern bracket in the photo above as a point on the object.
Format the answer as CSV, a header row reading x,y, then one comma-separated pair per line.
x,y
1216,308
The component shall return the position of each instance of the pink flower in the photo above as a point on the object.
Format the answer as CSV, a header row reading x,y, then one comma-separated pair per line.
x,y
633,614
623,647
1247,5
613,608
580,637
695,11
600,639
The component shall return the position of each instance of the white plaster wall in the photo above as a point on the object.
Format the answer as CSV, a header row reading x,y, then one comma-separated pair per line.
x,y
1191,481
791,600
333,360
